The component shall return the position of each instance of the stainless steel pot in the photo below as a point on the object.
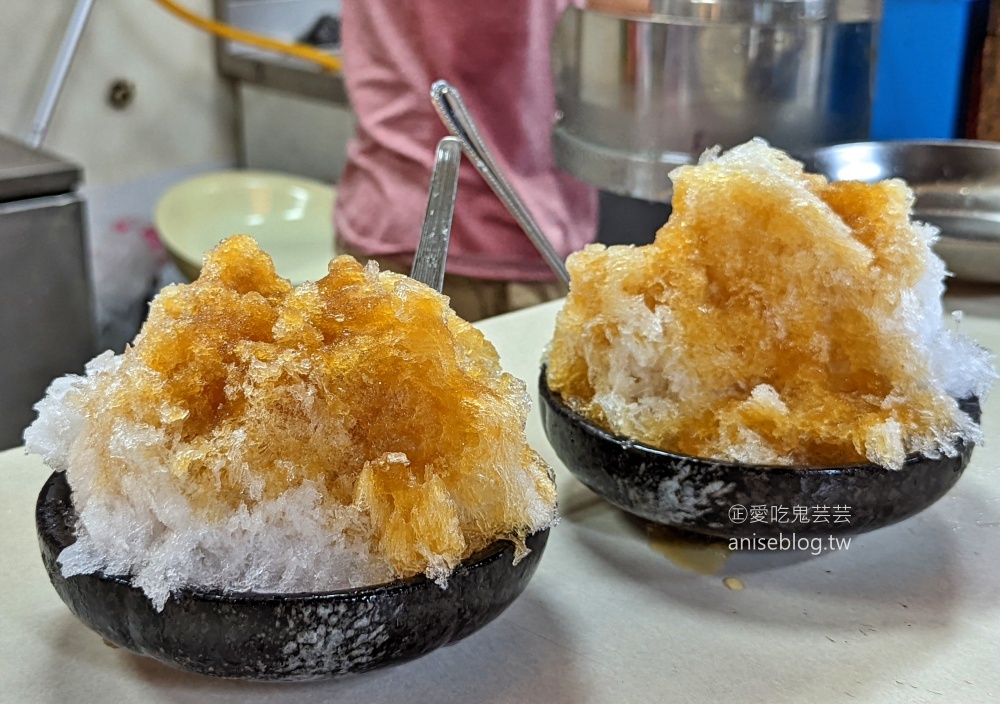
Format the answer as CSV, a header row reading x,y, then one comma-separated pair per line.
x,y
645,85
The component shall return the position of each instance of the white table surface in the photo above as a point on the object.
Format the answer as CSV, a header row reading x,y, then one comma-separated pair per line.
x,y
909,613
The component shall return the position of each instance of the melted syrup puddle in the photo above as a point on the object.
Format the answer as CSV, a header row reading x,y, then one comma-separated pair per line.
x,y
691,552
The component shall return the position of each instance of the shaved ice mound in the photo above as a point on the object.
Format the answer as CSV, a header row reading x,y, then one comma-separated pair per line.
x,y
776,319
260,437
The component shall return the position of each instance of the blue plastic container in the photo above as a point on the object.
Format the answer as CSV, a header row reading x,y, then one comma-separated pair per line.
x,y
926,48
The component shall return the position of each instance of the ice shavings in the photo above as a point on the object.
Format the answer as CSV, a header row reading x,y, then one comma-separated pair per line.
x,y
260,437
777,318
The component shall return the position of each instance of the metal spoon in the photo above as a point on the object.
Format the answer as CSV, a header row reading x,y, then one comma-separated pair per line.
x,y
459,122
432,252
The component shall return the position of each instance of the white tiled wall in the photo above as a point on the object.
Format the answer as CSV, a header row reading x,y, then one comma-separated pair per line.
x,y
182,113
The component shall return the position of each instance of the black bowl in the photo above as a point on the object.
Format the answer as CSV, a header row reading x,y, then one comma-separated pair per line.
x,y
733,500
284,636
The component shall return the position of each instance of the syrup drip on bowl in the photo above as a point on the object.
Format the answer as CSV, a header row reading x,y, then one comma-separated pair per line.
x,y
689,551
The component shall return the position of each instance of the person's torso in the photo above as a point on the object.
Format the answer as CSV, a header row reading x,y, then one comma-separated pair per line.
x,y
497,55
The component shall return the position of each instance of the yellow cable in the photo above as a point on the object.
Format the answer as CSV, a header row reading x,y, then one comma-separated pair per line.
x,y
302,51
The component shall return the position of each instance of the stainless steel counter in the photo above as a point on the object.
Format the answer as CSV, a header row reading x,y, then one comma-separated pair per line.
x,y
289,115
285,20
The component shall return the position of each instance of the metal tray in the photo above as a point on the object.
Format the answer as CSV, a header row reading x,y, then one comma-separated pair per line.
x,y
957,188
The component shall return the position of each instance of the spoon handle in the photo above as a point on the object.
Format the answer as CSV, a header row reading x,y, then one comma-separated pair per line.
x,y
456,117
432,252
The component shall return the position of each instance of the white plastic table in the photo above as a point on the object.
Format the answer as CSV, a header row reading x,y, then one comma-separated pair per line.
x,y
909,613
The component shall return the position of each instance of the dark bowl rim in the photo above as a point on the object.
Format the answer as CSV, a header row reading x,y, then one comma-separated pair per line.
x,y
480,558
626,443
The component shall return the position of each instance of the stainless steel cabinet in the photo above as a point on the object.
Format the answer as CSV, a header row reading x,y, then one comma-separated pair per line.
x,y
46,318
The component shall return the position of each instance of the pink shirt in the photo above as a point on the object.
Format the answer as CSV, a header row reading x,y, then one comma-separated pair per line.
x,y
496,53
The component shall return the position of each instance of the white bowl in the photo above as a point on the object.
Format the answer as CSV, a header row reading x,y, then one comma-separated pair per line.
x,y
290,217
